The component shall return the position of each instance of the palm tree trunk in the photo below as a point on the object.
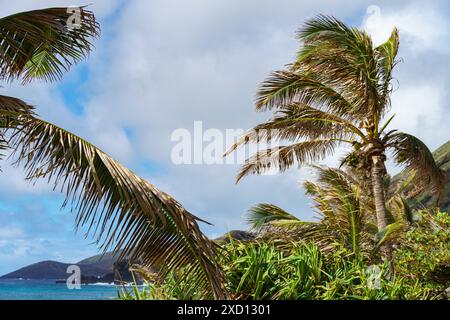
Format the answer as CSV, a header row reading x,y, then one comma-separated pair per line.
x,y
377,172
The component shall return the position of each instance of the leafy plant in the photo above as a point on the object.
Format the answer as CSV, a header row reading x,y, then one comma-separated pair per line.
x,y
337,92
342,200
173,287
261,271
424,253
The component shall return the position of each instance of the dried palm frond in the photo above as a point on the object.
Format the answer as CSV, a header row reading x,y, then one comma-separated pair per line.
x,y
418,161
284,157
123,211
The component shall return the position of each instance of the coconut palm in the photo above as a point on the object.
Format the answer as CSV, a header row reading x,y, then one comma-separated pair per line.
x,y
342,201
122,211
337,92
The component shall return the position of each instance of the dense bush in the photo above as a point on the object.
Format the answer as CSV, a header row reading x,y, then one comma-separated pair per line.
x,y
423,253
300,270
263,271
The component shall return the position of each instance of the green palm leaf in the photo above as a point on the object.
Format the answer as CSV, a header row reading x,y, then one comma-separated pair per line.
x,y
386,54
10,109
389,232
264,215
285,87
337,55
39,44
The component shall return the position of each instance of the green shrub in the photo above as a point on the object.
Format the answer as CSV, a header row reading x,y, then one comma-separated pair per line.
x,y
262,271
424,251
174,287
252,270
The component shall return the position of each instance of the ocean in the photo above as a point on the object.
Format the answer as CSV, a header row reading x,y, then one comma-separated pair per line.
x,y
49,290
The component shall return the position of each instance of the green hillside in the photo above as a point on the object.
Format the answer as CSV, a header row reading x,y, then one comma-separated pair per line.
x,y
442,158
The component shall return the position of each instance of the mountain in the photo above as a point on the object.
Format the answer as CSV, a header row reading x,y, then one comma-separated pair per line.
x,y
101,261
425,199
40,270
98,268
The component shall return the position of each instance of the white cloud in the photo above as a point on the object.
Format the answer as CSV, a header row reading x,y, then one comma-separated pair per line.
x,y
418,109
421,78
422,26
11,233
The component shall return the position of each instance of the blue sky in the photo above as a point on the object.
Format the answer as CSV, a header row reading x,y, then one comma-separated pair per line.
x,y
161,65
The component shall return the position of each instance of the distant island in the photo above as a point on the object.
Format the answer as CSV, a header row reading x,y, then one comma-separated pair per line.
x,y
99,268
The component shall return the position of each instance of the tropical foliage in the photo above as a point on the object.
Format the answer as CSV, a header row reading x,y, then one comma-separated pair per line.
x,y
337,93
121,210
261,271
343,203
424,254
293,259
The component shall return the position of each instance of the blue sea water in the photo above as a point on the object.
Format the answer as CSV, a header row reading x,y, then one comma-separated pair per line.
x,y
49,290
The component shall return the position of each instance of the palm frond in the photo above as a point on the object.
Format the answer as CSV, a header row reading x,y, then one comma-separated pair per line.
x,y
283,157
337,196
400,208
11,105
390,232
265,215
123,211
418,159
341,57
386,54
298,121
40,44
345,207
285,87
10,110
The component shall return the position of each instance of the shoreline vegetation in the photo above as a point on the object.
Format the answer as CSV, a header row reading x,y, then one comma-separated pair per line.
x,y
377,237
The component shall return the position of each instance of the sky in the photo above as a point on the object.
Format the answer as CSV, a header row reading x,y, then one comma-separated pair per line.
x,y
162,65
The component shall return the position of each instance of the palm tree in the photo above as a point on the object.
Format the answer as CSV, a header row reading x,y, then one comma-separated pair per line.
x,y
337,92
121,210
343,203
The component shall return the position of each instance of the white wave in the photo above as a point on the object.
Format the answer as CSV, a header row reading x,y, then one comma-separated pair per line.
x,y
101,284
